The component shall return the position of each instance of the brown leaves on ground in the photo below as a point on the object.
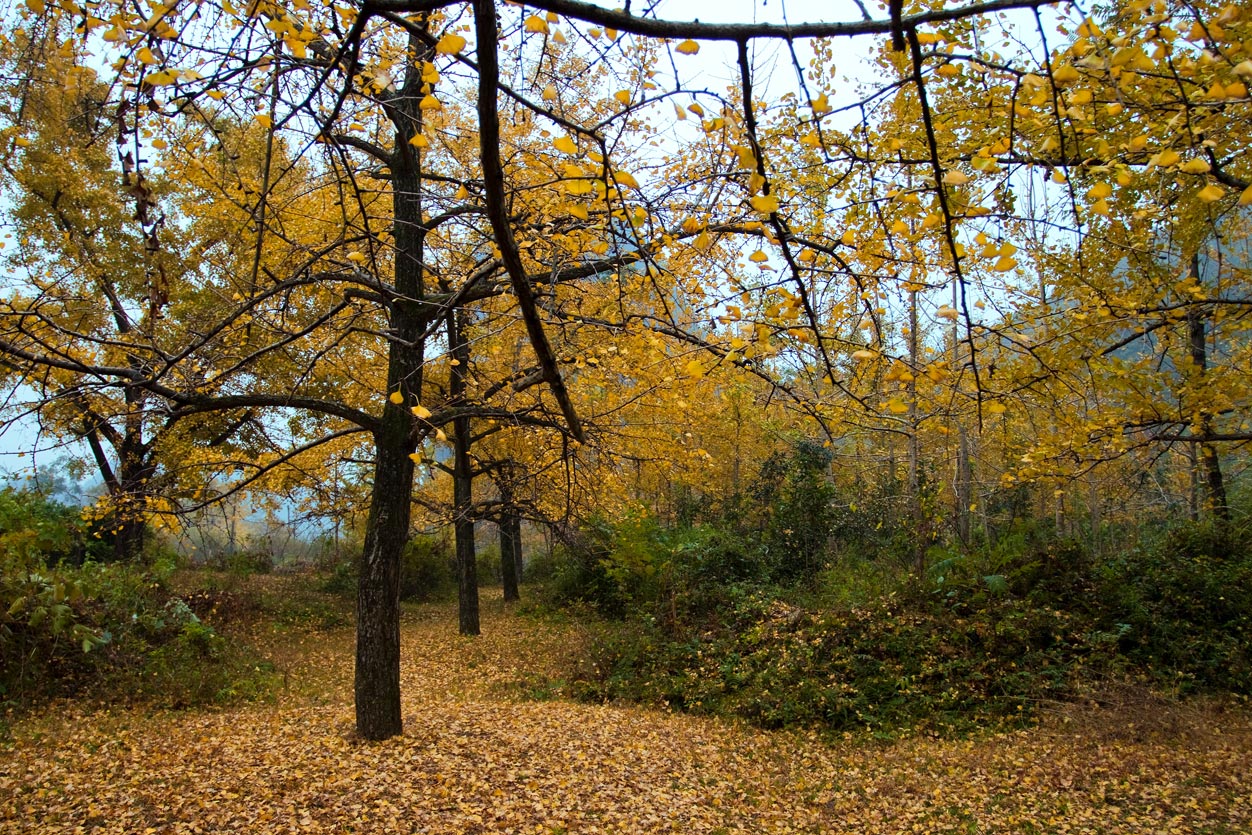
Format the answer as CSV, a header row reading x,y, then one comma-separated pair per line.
x,y
473,759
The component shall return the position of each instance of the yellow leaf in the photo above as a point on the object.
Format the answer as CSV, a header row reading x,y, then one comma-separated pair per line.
x,y
440,436
160,144
1246,197
765,203
1113,108
1210,193
897,406
147,56
396,398
863,355
948,313
1165,158
565,145
450,44
1195,166
758,257
162,78
1099,190
996,408
549,93
577,211
820,105
702,241
679,112
461,193
1100,207
430,103
21,142
356,257
421,412
36,6
419,141
623,96
415,457
694,369
264,120
536,24
1064,75
687,47
848,239
955,178
1004,263
695,108
625,179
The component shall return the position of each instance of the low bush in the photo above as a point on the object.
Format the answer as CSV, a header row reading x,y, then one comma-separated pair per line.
x,y
427,571
984,636
111,631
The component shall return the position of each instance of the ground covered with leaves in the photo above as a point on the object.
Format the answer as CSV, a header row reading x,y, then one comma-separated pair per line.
x,y
480,755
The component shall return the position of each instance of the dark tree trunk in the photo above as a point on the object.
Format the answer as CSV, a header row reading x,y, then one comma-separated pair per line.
x,y
519,561
462,482
508,556
378,587
387,527
1211,464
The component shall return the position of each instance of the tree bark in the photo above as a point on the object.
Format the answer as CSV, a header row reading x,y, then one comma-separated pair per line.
x,y
377,686
462,482
378,587
509,550
1215,484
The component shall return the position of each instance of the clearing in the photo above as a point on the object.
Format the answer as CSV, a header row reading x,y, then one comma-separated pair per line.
x,y
477,757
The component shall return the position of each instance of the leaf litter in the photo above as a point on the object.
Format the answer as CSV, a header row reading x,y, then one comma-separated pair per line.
x,y
475,757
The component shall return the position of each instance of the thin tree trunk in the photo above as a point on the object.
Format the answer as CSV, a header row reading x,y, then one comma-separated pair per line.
x,y
918,512
508,557
1214,483
964,492
462,481
515,522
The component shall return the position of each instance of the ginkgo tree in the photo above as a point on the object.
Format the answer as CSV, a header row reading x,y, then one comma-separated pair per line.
x,y
411,164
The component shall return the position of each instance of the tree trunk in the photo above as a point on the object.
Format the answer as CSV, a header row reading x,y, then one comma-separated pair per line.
x,y
1214,483
462,481
378,587
387,527
964,486
508,556
515,521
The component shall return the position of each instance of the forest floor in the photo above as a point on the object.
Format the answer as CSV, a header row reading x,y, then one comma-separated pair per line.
x,y
478,756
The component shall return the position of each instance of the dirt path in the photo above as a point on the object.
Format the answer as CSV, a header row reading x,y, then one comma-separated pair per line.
x,y
473,759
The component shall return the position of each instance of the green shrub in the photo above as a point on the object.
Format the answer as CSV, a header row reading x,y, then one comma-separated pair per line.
x,y
427,569
1183,607
111,631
